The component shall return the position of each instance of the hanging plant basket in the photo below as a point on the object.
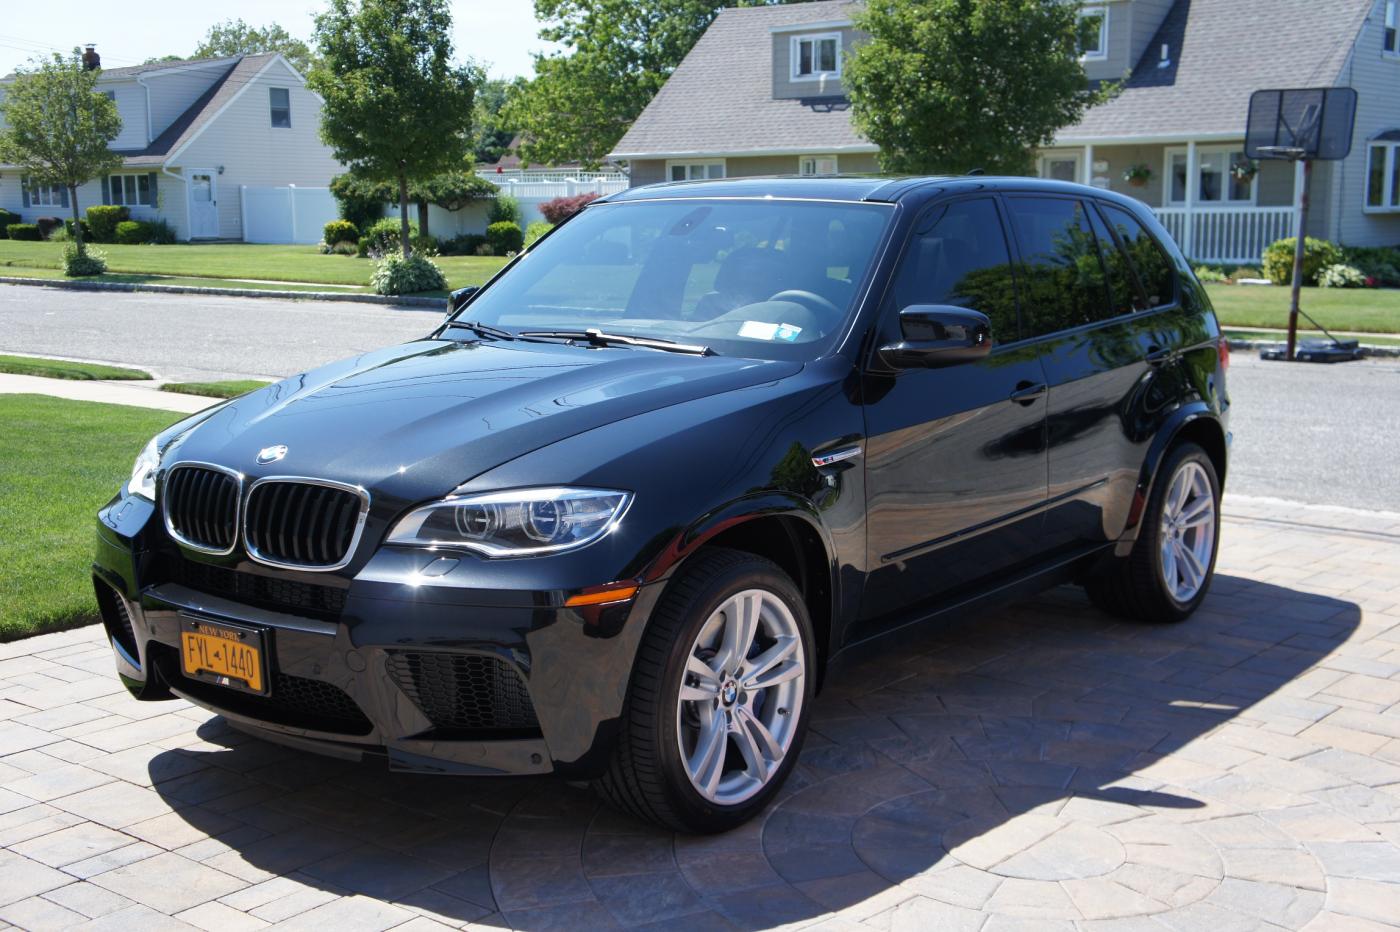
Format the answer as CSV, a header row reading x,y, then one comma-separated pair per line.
x,y
1244,170
1138,175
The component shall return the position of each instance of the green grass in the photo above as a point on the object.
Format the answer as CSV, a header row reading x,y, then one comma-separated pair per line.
x,y
229,389
195,264
1280,335
63,369
1367,310
61,461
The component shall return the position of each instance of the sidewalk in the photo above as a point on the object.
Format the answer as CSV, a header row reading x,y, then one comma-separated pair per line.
x,y
116,393
1041,765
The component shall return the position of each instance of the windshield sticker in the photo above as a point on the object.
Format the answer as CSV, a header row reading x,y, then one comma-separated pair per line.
x,y
762,330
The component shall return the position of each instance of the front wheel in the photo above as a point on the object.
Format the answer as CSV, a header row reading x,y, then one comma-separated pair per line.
x,y
719,699
1166,576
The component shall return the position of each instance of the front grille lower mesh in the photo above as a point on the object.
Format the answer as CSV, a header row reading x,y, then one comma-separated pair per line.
x,y
464,692
302,523
283,595
201,506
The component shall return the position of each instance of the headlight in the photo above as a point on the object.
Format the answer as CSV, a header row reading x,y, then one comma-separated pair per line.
x,y
518,523
143,474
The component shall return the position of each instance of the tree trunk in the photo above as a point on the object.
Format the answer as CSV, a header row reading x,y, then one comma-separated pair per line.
x,y
422,218
403,216
77,221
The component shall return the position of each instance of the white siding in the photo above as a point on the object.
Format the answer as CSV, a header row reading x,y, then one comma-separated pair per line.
x,y
169,201
251,151
1147,19
1377,82
131,104
172,93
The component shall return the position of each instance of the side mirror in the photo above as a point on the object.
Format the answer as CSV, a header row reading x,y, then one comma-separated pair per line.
x,y
938,335
461,296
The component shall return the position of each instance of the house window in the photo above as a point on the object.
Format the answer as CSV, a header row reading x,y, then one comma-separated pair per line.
x,y
1060,167
1390,41
129,190
1215,182
816,165
695,169
816,57
110,95
45,195
1093,32
281,100
1383,172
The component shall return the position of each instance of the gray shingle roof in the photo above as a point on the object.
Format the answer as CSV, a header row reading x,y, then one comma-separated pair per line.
x,y
1221,52
129,71
720,99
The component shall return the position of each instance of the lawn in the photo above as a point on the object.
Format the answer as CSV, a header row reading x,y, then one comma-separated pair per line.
x,y
61,461
230,389
235,260
63,369
1368,310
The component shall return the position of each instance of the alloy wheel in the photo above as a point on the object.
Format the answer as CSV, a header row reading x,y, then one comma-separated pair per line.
x,y
741,699
1187,532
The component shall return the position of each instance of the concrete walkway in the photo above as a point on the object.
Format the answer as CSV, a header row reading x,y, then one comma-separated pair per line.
x,y
134,394
1043,766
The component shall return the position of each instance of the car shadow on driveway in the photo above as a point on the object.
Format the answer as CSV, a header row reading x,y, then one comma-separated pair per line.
x,y
1042,760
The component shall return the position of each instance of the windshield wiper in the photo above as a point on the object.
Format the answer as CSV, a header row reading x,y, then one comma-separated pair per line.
x,y
595,337
480,329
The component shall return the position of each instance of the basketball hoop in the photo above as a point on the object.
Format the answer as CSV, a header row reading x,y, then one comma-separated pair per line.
x,y
1291,153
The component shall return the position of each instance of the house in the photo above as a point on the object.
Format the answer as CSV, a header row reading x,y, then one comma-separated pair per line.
x,y
1187,69
210,146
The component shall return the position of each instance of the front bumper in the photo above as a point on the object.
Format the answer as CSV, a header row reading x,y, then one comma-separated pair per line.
x,y
432,673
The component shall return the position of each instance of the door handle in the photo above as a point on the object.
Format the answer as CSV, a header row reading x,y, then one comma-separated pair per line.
x,y
1026,393
1156,356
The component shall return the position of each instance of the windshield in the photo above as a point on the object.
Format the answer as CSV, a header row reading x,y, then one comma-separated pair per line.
x,y
767,279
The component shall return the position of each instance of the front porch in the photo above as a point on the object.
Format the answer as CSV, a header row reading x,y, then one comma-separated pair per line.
x,y
1219,207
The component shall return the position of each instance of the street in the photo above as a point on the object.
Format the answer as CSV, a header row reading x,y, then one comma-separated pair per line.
x,y
1308,433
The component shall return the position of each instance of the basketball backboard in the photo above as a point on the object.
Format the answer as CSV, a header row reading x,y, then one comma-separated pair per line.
x,y
1300,123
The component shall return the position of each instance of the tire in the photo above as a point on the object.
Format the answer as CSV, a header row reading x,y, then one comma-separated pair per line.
x,y
653,774
1137,587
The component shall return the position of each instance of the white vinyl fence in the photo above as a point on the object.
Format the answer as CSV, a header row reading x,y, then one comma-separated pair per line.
x,y
286,214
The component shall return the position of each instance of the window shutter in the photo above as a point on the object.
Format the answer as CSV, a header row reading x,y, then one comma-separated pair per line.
x,y
24,189
106,189
154,200
64,198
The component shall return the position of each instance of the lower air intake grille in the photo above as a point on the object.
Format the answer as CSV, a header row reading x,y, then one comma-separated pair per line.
x,y
317,700
201,507
464,692
302,524
117,618
280,595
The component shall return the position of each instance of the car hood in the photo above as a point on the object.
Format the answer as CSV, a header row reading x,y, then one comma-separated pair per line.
x,y
417,420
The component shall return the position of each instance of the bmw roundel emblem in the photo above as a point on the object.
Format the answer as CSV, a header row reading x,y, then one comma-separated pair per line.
x,y
271,454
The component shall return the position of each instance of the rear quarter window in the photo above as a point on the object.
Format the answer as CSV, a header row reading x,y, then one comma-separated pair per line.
x,y
1154,268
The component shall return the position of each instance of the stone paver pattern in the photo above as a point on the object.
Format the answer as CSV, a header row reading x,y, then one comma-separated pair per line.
x,y
1040,766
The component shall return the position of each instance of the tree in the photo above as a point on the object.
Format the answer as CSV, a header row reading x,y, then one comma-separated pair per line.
x,y
618,54
396,107
58,127
235,37
365,198
491,134
946,86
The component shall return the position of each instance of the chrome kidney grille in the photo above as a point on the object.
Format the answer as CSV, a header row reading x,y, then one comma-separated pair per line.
x,y
200,503
308,524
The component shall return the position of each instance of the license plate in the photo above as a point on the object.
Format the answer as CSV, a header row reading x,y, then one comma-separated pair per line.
x,y
223,654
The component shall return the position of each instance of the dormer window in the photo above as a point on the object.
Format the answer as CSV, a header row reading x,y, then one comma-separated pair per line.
x,y
816,56
1093,33
1390,41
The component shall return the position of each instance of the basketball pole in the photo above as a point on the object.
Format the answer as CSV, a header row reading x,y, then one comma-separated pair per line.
x,y
1298,258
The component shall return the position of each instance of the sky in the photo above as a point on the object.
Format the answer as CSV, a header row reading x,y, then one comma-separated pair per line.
x,y
500,34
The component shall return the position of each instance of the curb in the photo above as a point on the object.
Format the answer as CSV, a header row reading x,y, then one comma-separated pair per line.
x,y
1367,351
437,304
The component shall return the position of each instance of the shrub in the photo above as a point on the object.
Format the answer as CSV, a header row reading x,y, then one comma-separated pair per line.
x,y
362,247
340,231
504,209
47,225
484,250
159,233
504,237
1343,276
1318,254
345,248
1379,262
26,231
562,208
83,225
133,232
7,218
423,242
463,244
87,262
103,219
383,235
535,230
1209,273
394,274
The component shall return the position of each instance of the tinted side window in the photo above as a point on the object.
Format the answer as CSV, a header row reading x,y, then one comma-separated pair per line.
x,y
1123,294
962,261
1063,280
1154,268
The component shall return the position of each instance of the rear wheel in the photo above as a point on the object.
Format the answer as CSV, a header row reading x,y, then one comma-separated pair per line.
x,y
1169,571
719,698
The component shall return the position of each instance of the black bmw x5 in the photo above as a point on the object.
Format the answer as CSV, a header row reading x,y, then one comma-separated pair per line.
x,y
619,515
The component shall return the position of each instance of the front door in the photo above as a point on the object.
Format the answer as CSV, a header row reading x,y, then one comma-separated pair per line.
x,y
204,204
955,456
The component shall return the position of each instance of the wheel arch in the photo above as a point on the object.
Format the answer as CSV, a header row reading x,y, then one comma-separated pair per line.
x,y
1194,423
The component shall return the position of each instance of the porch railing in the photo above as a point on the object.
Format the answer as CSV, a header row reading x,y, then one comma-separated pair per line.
x,y
1226,235
542,185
